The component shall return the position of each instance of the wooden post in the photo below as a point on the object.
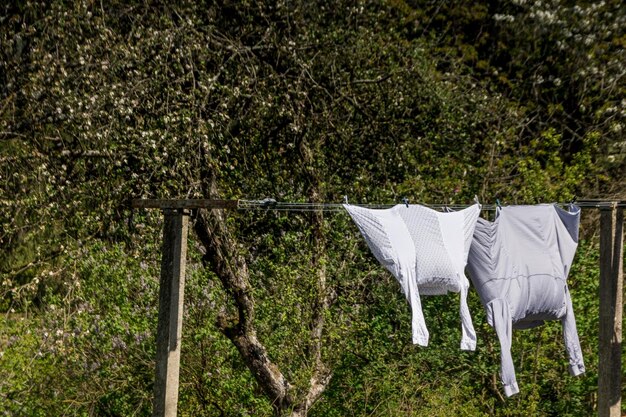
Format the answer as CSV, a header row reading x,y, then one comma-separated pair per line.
x,y
611,306
171,294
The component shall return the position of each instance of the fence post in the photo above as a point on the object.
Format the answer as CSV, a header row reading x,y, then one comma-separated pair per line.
x,y
611,306
171,294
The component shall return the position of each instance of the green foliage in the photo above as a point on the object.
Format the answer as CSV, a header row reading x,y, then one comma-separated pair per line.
x,y
562,61
91,349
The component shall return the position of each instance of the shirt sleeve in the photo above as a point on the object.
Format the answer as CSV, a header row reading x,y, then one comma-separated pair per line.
x,y
498,310
378,229
468,338
570,336
418,324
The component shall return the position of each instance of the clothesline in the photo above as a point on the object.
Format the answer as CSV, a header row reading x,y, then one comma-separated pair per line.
x,y
272,204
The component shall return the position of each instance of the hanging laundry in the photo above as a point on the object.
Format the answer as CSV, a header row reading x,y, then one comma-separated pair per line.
x,y
426,251
519,265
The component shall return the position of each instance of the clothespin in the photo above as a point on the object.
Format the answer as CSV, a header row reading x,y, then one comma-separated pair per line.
x,y
405,201
345,199
571,204
477,202
498,203
268,202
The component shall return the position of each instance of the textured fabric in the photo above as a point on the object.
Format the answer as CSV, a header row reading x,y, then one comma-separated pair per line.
x,y
519,265
426,251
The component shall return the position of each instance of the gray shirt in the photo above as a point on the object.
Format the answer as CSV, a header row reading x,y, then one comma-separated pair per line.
x,y
519,265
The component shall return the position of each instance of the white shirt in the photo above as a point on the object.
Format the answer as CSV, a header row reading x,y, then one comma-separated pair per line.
x,y
426,251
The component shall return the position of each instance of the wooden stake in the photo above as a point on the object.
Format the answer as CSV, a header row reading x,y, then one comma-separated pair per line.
x,y
611,306
171,294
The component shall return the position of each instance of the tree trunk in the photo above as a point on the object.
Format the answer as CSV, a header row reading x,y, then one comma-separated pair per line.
x,y
221,254
232,270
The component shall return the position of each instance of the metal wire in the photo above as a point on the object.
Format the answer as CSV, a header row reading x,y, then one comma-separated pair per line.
x,y
272,204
